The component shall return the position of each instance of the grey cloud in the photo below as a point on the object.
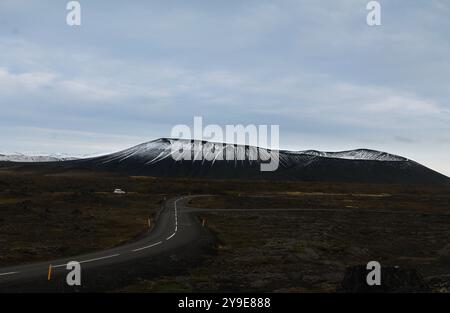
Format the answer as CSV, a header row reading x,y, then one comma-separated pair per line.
x,y
314,67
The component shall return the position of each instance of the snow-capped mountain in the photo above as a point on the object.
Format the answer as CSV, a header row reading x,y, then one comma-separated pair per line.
x,y
168,157
195,150
203,159
18,157
212,152
358,154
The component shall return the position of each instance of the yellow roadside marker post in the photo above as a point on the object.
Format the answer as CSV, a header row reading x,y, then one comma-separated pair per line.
x,y
49,275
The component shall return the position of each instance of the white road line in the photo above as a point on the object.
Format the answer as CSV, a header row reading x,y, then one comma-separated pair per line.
x,y
10,273
170,237
146,247
115,255
102,258
176,216
90,260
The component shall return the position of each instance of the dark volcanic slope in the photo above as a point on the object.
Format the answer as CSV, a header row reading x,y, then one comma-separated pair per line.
x,y
167,157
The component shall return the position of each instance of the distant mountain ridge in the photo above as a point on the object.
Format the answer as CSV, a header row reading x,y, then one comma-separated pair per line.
x,y
18,157
157,158
168,157
159,149
357,154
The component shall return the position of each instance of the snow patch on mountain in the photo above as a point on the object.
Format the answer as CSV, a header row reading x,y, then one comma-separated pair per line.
x,y
197,150
184,149
205,151
358,154
18,157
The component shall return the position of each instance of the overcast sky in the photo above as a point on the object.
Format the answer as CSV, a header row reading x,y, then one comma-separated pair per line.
x,y
131,72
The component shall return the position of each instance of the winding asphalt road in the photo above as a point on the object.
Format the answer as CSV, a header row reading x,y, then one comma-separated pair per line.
x,y
176,232
175,227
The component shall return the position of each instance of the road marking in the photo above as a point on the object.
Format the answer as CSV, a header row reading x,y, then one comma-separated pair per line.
x,y
90,260
115,255
176,216
101,258
10,273
176,213
146,247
